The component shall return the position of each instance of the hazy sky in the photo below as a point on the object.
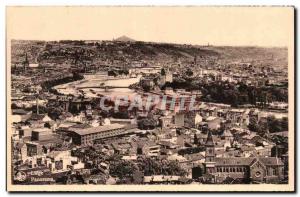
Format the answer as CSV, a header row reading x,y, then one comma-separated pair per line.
x,y
261,26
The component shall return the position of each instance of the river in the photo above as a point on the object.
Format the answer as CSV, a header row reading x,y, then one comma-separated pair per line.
x,y
91,86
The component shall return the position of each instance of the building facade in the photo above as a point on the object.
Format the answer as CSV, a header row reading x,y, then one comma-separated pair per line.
x,y
87,136
244,169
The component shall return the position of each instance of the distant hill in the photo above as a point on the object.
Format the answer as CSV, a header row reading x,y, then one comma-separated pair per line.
x,y
68,51
124,39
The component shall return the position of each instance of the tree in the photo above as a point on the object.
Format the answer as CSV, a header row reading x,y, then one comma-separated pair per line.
x,y
253,124
231,97
175,169
262,127
14,106
147,123
163,72
152,166
189,72
123,169
54,112
281,141
274,124
112,73
196,141
285,124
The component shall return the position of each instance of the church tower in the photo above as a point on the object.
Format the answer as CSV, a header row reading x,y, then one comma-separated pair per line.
x,y
210,154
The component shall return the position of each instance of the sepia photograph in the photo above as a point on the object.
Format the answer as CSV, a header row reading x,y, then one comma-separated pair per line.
x,y
150,98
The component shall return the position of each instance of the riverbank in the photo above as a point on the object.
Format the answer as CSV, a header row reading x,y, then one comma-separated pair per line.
x,y
47,85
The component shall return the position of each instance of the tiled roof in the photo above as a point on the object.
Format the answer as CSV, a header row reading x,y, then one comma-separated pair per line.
x,y
20,111
271,161
79,126
246,161
234,161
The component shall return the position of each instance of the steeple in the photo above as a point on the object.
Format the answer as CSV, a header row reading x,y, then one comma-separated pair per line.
x,y
209,140
210,149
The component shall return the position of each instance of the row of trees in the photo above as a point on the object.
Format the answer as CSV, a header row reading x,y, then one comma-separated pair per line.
x,y
54,82
270,124
240,94
230,93
145,167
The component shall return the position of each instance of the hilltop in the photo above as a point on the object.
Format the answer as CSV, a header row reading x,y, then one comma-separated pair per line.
x,y
124,39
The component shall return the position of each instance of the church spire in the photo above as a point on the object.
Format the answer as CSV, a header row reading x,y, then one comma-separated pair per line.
x,y
209,140
210,152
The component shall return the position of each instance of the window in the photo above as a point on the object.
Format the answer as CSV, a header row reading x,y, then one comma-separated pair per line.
x,y
258,174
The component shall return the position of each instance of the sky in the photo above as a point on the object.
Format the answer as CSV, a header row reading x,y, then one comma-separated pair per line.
x,y
236,26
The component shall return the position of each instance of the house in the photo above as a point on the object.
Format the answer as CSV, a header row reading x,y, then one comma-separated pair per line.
x,y
247,151
40,134
63,161
166,121
236,116
192,120
227,136
147,82
168,147
42,146
20,115
149,148
179,119
213,123
24,131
